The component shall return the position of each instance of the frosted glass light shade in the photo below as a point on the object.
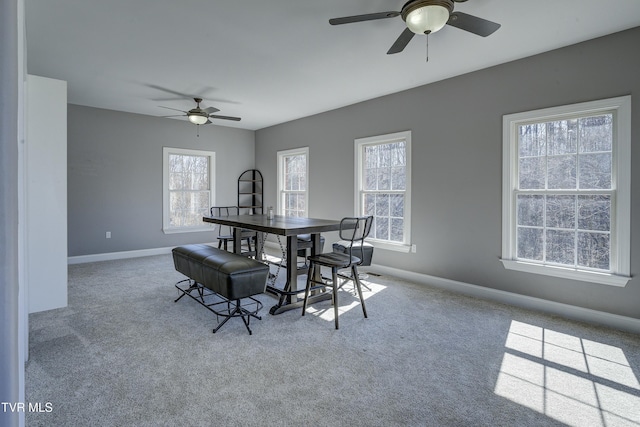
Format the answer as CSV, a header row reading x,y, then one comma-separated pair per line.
x,y
427,19
197,119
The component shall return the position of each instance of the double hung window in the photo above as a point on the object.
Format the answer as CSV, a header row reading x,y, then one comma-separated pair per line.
x,y
188,189
293,182
383,188
566,191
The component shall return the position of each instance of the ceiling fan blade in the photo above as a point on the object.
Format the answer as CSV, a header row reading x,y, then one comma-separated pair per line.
x,y
401,42
236,119
473,24
164,89
360,18
174,109
178,115
210,110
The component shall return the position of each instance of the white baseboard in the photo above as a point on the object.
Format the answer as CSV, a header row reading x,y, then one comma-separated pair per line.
x,y
615,321
565,310
81,259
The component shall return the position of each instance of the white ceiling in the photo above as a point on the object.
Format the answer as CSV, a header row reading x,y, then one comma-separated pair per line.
x,y
272,61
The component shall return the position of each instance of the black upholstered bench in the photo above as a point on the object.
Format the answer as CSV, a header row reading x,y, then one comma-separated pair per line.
x,y
222,281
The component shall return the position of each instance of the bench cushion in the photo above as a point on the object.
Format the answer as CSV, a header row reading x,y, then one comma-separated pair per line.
x,y
230,275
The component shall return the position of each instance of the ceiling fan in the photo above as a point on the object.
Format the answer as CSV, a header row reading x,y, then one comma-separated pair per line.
x,y
200,116
426,17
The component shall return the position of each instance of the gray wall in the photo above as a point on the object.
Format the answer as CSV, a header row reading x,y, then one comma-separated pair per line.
x,y
115,176
456,129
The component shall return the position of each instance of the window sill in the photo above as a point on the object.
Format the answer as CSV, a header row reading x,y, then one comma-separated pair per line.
x,y
398,247
567,273
187,230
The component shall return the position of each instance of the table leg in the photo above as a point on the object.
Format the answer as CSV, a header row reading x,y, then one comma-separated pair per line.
x,y
289,298
259,245
315,250
292,268
237,240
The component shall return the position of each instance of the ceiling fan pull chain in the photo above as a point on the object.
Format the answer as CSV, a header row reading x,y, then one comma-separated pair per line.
x,y
427,47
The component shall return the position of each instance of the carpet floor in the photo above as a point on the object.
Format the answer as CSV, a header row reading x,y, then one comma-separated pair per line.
x,y
123,353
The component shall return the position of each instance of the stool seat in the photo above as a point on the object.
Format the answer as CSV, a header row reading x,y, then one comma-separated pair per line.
x,y
364,251
340,260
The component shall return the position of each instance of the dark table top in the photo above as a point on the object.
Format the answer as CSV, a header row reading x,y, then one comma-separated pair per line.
x,y
281,225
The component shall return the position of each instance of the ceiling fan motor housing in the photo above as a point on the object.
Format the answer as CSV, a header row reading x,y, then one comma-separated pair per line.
x,y
419,22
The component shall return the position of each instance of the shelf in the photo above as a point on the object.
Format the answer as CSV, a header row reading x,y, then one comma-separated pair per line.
x,y
250,191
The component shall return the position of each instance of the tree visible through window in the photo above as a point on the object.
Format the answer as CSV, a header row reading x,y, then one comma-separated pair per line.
x,y
188,188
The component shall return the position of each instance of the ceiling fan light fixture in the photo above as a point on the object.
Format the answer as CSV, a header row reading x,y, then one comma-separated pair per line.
x,y
197,119
428,16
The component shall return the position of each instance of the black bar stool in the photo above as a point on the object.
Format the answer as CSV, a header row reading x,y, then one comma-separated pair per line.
x,y
352,230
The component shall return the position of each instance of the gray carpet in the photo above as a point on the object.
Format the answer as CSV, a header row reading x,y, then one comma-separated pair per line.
x,y
124,354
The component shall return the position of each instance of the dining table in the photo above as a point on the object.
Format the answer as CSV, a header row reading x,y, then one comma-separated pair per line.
x,y
289,227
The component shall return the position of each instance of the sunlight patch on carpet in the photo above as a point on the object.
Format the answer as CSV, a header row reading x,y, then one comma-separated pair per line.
x,y
347,300
570,379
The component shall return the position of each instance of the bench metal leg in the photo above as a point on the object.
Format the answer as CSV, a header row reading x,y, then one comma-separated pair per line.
x,y
238,311
191,287
211,300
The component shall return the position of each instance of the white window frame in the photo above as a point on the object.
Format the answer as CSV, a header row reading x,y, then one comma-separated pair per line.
x,y
282,155
166,152
359,145
620,261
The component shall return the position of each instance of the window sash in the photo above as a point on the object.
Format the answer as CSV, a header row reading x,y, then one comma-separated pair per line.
x,y
387,226
189,215
576,225
293,206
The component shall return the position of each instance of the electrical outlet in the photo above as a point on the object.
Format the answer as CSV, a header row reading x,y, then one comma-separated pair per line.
x,y
108,235
413,248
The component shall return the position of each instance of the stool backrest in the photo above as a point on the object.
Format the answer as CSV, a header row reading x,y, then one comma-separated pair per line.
x,y
224,211
354,230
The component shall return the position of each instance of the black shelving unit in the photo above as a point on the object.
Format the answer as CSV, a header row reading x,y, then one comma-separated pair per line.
x,y
250,191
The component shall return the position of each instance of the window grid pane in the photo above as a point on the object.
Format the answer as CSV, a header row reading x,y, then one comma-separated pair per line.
x,y
556,221
188,172
294,204
295,173
186,208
